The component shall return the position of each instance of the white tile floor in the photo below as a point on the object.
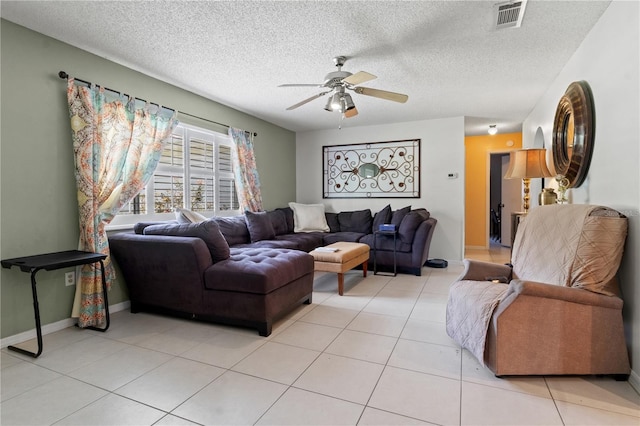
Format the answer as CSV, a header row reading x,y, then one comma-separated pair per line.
x,y
379,355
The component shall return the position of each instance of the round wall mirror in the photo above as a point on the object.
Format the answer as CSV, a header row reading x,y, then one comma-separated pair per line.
x,y
573,133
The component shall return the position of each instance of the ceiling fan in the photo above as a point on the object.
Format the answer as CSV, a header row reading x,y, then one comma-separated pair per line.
x,y
338,82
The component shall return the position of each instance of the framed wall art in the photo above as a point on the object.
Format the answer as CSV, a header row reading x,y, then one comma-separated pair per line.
x,y
372,170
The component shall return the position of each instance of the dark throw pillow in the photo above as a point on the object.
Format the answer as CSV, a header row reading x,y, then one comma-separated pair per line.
x,y
398,215
288,215
355,221
259,225
332,221
382,217
278,222
410,224
234,229
208,231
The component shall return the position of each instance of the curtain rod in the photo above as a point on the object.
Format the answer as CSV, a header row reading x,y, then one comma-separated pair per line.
x,y
64,75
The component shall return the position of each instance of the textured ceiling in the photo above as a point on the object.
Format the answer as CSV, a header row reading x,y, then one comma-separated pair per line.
x,y
443,54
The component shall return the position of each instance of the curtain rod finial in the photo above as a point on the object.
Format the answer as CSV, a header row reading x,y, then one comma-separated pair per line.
x,y
63,74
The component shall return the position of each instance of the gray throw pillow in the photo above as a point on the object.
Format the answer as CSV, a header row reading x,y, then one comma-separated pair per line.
x,y
410,223
355,221
208,231
332,221
278,222
259,226
398,215
382,217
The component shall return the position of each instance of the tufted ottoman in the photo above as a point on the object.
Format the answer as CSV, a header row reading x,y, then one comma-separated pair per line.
x,y
345,256
255,286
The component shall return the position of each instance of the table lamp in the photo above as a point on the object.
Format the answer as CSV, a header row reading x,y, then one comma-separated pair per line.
x,y
526,164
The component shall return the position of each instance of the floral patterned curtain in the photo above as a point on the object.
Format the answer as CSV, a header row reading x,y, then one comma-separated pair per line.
x,y
117,148
246,172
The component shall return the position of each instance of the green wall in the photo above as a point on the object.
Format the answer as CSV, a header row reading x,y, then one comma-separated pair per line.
x,y
38,210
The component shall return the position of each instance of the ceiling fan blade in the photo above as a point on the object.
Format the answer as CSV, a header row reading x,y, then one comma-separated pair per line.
x,y
351,112
359,77
306,100
383,94
301,85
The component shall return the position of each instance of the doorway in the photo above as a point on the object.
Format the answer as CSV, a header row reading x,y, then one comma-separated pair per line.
x,y
504,199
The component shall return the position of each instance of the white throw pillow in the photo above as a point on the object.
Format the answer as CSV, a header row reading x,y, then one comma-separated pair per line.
x,y
309,218
188,216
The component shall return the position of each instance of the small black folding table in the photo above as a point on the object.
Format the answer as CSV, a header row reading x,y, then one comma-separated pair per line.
x,y
50,262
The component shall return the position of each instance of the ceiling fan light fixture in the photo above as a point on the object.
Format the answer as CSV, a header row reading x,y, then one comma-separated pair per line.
x,y
328,107
336,104
348,102
492,129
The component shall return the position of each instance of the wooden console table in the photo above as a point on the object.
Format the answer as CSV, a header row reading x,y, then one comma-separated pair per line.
x,y
50,262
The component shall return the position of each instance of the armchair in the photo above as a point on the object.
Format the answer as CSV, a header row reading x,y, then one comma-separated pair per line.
x,y
557,310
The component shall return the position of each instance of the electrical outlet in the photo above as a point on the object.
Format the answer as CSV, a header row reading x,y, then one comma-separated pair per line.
x,y
70,278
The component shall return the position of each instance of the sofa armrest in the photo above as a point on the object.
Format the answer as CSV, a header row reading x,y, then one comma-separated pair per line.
x,y
568,294
422,242
157,268
475,270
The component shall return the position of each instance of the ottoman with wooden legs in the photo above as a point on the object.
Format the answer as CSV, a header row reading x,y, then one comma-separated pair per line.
x,y
341,257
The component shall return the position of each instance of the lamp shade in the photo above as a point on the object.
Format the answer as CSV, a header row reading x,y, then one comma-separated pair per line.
x,y
527,164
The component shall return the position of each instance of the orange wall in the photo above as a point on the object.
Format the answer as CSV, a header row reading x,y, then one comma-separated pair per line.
x,y
477,149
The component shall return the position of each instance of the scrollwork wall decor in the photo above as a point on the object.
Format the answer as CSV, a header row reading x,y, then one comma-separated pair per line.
x,y
372,170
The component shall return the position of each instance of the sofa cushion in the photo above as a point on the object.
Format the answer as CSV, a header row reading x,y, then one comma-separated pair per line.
x,y
305,241
258,270
278,221
410,223
382,217
350,237
286,244
208,231
332,221
309,218
234,229
259,225
398,215
188,216
355,221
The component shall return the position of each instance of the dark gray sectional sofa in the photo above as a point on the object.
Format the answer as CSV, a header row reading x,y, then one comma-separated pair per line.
x,y
248,270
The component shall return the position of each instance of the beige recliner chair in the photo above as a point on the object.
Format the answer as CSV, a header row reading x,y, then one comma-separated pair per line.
x,y
557,310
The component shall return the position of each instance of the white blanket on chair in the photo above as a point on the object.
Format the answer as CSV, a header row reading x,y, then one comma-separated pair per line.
x,y
469,309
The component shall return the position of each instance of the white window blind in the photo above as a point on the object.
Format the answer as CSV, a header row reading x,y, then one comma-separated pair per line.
x,y
195,171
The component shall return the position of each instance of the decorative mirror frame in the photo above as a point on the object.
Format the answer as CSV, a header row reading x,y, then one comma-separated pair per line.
x,y
372,170
572,145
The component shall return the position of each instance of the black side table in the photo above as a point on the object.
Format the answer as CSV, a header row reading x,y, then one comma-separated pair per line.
x,y
394,234
50,262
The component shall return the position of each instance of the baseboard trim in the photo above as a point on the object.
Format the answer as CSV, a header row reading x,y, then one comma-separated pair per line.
x,y
54,326
634,380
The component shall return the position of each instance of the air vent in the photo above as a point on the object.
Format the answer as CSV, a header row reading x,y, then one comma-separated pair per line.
x,y
509,14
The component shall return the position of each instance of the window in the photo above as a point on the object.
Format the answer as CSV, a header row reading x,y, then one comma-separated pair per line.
x,y
195,171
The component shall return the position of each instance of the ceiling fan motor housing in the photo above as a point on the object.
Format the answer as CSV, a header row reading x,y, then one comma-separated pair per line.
x,y
334,79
